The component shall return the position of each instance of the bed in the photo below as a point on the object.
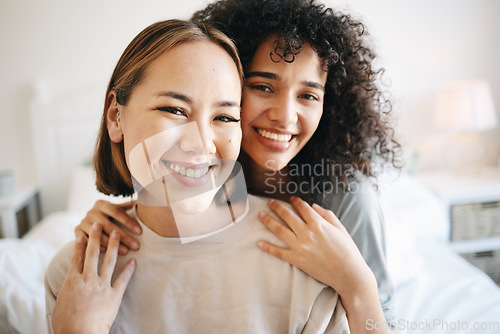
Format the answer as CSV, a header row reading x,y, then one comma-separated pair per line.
x,y
436,290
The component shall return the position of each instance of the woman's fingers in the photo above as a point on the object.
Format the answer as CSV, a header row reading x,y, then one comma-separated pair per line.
x,y
84,228
127,241
109,260
86,258
277,228
328,216
292,219
108,214
79,233
87,298
122,280
118,213
78,257
93,250
127,205
280,253
304,210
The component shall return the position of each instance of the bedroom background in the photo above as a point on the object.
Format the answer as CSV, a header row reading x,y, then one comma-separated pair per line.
x,y
56,57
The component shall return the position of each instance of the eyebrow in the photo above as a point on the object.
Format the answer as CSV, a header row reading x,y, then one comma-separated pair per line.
x,y
229,104
175,95
267,75
274,76
187,99
313,84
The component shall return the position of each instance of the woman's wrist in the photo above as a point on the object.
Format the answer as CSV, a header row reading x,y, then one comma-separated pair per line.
x,y
362,288
362,304
360,282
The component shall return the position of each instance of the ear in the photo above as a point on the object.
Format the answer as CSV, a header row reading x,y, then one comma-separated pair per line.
x,y
112,118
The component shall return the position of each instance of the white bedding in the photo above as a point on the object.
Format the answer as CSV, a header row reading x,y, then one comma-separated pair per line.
x,y
22,267
433,284
449,293
437,291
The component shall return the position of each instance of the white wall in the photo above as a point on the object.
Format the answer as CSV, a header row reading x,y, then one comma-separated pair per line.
x,y
426,43
65,45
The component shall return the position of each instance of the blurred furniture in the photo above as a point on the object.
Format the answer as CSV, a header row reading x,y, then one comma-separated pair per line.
x,y
473,206
465,108
6,182
19,211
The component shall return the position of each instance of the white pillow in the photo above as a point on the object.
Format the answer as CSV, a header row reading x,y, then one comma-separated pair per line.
x,y
22,266
414,218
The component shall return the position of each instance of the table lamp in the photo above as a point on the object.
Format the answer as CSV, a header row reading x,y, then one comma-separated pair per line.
x,y
465,108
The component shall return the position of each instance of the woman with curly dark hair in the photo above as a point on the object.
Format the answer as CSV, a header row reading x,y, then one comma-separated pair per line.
x,y
316,126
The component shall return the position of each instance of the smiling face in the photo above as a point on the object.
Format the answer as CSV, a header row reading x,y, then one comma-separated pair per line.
x,y
282,105
180,125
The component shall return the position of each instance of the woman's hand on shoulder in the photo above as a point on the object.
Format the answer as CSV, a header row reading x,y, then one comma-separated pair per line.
x,y
318,244
88,301
106,213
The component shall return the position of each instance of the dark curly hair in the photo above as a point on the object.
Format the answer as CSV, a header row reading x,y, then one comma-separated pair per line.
x,y
354,134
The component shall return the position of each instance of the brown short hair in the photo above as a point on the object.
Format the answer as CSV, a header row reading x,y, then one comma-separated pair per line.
x,y
112,174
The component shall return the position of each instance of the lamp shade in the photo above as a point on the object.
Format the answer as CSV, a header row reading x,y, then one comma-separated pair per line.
x,y
466,106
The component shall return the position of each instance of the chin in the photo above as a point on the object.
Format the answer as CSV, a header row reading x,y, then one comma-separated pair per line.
x,y
274,165
193,205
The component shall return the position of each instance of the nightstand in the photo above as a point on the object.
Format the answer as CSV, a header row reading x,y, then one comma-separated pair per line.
x,y
19,211
473,203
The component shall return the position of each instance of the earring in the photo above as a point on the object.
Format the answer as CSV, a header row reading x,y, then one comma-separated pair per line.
x,y
115,103
118,116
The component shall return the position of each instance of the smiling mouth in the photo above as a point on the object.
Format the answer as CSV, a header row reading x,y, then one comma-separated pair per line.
x,y
278,137
193,173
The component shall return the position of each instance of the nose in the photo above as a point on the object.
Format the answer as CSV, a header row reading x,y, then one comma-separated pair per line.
x,y
283,110
198,138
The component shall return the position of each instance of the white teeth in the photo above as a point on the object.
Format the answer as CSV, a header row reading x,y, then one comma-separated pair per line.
x,y
189,172
197,173
275,136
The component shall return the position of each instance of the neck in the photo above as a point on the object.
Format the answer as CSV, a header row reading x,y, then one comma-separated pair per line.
x,y
170,223
159,219
264,182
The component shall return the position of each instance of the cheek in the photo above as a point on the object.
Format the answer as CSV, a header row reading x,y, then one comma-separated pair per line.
x,y
246,118
245,129
129,142
148,139
251,108
229,143
311,123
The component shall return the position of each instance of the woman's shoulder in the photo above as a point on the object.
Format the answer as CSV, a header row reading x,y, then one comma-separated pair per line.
x,y
58,267
63,255
359,193
357,205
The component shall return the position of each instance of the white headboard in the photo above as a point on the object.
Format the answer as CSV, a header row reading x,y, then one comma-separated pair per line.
x,y
64,129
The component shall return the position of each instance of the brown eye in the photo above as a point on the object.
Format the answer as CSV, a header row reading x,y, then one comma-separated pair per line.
x,y
262,88
226,119
308,97
172,110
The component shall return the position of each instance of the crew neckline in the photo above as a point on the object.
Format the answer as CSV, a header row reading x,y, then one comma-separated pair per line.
x,y
201,245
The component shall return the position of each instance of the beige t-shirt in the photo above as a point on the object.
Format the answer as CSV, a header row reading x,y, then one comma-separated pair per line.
x,y
219,284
